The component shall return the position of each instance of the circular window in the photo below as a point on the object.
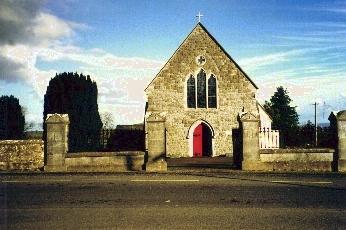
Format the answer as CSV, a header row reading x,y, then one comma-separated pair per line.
x,y
200,60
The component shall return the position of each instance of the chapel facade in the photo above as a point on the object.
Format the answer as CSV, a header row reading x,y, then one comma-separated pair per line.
x,y
201,92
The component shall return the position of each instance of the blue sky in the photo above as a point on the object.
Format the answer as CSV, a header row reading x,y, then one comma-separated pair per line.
x,y
122,44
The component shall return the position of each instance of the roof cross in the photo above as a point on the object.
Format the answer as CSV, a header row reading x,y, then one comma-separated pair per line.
x,y
199,15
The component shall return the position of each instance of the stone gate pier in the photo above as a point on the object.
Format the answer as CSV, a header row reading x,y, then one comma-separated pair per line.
x,y
156,144
56,142
341,122
295,159
251,155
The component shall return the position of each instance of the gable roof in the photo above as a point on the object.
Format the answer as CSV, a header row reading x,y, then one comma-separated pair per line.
x,y
261,106
199,24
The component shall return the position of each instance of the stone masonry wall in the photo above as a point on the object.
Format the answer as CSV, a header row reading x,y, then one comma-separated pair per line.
x,y
104,161
21,154
167,95
297,159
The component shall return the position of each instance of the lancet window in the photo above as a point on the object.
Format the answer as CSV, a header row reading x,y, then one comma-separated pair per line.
x,y
201,93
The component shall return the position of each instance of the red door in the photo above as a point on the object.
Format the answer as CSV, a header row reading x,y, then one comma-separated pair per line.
x,y
197,141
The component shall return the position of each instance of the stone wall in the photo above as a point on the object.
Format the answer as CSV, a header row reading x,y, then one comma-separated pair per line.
x,y
58,159
21,154
297,159
167,95
104,161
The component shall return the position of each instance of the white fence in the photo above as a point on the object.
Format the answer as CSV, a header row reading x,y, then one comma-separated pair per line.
x,y
268,139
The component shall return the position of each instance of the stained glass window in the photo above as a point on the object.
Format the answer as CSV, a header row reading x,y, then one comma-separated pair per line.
x,y
201,90
199,98
191,92
212,92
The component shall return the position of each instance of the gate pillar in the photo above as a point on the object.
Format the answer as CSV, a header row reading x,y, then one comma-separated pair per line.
x,y
56,145
251,156
341,122
156,134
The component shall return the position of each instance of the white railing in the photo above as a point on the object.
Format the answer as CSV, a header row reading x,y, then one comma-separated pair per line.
x,y
268,139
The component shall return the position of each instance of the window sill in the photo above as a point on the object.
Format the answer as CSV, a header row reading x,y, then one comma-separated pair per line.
x,y
201,108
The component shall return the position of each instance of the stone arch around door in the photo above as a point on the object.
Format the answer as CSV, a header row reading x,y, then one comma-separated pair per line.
x,y
210,137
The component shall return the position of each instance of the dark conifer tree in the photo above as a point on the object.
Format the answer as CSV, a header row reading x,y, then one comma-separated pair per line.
x,y
11,119
285,117
307,134
76,95
332,133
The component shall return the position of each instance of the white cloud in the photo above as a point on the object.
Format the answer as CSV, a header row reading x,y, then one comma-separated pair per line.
x,y
330,24
269,59
122,92
121,80
310,39
96,58
48,27
324,88
336,10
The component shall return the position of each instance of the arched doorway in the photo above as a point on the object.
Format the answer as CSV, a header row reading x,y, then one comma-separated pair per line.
x,y
202,141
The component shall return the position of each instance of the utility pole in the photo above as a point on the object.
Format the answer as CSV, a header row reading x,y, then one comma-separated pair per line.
x,y
315,104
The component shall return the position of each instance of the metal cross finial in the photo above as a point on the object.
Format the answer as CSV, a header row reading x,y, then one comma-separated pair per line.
x,y
199,15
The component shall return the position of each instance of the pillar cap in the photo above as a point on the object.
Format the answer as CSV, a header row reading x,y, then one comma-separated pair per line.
x,y
341,116
155,117
248,116
57,118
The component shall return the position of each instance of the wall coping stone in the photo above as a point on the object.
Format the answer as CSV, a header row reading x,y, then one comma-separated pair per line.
x,y
104,154
57,118
20,142
341,116
249,117
295,151
155,117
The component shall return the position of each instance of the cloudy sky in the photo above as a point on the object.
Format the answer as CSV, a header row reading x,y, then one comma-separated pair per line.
x,y
299,44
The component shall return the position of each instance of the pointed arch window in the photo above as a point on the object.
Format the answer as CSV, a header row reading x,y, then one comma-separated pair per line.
x,y
201,90
191,92
212,92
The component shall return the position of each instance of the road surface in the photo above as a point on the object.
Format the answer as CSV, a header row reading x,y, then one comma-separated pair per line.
x,y
177,200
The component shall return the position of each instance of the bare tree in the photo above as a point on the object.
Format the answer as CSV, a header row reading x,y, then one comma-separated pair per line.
x,y
107,120
28,125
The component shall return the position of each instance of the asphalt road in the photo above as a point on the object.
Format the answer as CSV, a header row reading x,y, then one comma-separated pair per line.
x,y
177,200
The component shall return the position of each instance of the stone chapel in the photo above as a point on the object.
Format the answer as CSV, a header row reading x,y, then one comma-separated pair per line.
x,y
199,96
